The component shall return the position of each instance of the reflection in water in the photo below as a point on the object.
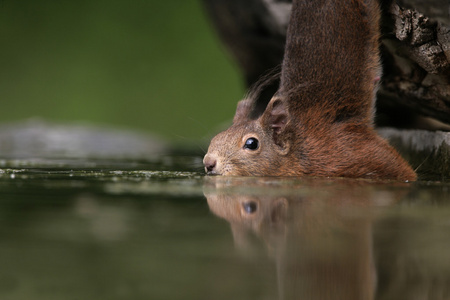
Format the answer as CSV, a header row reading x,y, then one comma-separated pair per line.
x,y
97,231
321,239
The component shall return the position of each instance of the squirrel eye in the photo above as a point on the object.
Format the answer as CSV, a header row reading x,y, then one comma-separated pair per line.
x,y
251,144
250,207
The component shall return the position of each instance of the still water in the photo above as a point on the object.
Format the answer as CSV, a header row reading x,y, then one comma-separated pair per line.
x,y
80,229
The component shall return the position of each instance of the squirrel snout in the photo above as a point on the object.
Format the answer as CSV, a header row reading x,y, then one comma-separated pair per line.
x,y
210,165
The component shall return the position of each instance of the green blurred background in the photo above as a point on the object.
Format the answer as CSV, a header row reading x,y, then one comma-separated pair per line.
x,y
155,66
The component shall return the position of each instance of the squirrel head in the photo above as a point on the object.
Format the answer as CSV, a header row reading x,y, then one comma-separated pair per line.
x,y
257,147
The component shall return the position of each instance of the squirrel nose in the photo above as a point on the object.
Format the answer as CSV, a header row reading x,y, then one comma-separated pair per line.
x,y
210,164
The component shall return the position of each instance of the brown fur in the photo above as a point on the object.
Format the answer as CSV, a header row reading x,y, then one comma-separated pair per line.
x,y
320,122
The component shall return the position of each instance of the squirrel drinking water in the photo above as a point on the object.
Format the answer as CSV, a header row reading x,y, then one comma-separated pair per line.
x,y
320,121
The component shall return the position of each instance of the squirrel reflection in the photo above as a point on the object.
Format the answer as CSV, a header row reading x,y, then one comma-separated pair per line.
x,y
322,248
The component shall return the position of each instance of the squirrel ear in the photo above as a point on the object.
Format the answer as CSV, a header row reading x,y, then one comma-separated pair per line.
x,y
276,116
275,120
242,111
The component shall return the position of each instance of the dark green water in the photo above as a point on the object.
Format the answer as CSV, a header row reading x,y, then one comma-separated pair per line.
x,y
72,229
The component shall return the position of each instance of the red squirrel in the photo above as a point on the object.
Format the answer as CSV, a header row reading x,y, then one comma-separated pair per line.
x,y
320,121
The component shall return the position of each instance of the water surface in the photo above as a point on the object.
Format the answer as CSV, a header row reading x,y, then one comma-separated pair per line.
x,y
117,229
